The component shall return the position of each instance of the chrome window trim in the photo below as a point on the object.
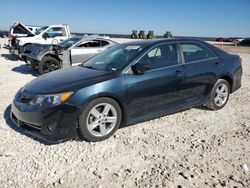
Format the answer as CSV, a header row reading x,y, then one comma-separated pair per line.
x,y
199,43
163,43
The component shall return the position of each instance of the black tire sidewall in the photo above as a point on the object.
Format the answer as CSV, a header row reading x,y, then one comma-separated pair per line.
x,y
220,81
45,60
83,130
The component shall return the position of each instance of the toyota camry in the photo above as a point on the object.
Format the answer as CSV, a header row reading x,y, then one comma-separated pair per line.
x,y
124,85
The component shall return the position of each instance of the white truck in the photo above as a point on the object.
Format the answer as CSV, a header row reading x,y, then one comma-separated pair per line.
x,y
21,30
52,34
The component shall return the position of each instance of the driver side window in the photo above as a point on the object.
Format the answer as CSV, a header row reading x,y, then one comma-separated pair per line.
x,y
161,56
55,32
90,44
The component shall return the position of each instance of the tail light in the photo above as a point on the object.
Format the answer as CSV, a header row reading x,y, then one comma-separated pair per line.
x,y
11,36
240,60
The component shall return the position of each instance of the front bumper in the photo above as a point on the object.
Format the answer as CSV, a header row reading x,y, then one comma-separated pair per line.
x,y
52,125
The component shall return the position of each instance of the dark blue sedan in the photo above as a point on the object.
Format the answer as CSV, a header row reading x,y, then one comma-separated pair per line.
x,y
127,84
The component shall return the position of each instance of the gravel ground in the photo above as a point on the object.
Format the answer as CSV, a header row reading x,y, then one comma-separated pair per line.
x,y
192,148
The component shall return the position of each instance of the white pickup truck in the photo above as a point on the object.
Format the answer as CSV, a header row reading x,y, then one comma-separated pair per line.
x,y
52,34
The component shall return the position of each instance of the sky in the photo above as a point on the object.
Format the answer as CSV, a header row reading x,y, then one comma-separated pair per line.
x,y
201,18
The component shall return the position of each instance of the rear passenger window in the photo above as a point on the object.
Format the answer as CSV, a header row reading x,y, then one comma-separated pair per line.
x,y
104,43
195,52
91,44
161,56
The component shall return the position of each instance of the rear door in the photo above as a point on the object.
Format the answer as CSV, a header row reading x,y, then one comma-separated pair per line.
x,y
84,51
201,68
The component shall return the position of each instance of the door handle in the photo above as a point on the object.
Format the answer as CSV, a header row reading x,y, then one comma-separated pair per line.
x,y
178,73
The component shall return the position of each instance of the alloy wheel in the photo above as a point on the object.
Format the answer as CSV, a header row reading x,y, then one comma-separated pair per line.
x,y
221,94
101,119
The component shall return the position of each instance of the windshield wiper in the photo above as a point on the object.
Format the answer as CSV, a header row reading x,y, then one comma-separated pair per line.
x,y
89,67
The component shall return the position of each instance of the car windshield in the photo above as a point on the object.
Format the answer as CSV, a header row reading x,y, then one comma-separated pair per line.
x,y
41,30
69,42
113,58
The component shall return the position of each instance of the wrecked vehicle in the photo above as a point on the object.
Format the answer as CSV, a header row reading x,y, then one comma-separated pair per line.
x,y
72,51
21,30
52,34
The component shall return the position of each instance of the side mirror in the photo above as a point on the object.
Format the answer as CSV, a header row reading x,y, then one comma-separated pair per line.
x,y
141,68
45,36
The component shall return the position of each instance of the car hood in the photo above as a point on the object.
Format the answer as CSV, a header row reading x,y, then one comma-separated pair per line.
x,y
69,79
33,49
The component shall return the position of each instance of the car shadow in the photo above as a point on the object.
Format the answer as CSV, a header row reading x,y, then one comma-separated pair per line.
x,y
24,69
203,107
10,57
10,123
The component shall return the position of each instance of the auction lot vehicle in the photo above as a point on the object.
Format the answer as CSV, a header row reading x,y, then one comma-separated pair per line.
x,y
151,35
134,34
3,34
70,52
52,34
142,35
168,35
244,42
126,84
20,30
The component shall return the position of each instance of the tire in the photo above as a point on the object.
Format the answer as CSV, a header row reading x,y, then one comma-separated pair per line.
x,y
219,95
23,58
94,114
48,64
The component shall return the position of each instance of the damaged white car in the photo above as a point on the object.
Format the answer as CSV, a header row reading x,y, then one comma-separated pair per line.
x,y
72,51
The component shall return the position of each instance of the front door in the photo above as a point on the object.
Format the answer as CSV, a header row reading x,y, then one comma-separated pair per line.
x,y
85,51
158,90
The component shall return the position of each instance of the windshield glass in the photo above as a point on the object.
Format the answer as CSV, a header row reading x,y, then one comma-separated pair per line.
x,y
69,42
41,30
113,58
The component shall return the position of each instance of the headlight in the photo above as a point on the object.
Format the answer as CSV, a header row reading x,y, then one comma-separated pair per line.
x,y
50,100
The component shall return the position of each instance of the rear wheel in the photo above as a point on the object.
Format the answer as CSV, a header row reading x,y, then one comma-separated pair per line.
x,y
100,119
48,64
219,95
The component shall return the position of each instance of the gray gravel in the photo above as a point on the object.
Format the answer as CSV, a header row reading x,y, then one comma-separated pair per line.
x,y
192,148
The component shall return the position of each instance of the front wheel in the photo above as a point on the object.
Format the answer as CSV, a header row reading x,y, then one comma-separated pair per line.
x,y
100,119
219,95
48,64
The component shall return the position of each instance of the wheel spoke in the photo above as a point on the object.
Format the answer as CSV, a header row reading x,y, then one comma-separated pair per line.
x,y
110,119
93,125
218,91
220,101
95,113
223,88
106,109
217,99
224,94
103,129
